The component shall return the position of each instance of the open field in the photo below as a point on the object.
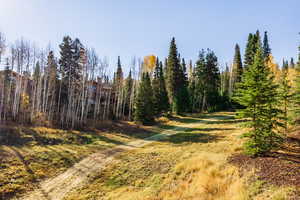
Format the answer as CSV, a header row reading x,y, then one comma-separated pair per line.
x,y
189,159
192,164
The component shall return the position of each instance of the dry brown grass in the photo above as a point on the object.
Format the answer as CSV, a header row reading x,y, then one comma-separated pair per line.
x,y
196,160
191,165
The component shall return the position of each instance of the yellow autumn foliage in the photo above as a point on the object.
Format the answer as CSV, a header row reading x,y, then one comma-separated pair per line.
x,y
292,73
149,63
273,67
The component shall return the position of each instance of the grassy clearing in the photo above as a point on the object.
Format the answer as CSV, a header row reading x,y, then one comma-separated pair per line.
x,y
31,154
187,164
191,164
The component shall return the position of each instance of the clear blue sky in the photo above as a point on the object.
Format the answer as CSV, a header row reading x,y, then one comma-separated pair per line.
x,y
138,27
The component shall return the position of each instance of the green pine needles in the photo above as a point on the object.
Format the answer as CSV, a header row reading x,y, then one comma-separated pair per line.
x,y
259,95
144,109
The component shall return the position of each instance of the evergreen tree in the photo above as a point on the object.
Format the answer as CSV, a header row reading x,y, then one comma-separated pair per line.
x,y
160,95
296,96
76,68
119,74
259,95
144,112
128,90
207,82
285,95
118,99
184,95
52,80
251,48
225,82
174,79
200,75
237,69
266,46
292,64
248,60
7,74
65,62
37,72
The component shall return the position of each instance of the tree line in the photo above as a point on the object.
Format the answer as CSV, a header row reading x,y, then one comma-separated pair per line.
x,y
75,89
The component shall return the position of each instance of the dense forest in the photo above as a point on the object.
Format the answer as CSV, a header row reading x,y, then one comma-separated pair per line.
x,y
73,89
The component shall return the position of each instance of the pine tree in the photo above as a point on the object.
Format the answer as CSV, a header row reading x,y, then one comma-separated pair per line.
x,y
52,80
266,46
160,95
119,74
37,72
212,82
128,91
237,69
192,87
248,60
65,62
118,91
225,82
183,93
251,47
144,101
200,76
207,82
174,78
259,95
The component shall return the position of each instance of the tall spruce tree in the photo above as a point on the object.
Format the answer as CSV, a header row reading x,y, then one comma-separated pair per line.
x,y
253,44
259,95
65,62
128,91
248,58
160,95
144,112
207,82
225,82
119,73
212,81
266,46
237,69
184,95
199,90
174,79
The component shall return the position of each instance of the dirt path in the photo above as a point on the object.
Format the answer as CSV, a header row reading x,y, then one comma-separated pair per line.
x,y
56,188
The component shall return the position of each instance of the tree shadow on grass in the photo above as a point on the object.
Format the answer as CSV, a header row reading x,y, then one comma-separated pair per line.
x,y
186,119
28,136
205,119
184,137
29,171
124,128
207,129
235,121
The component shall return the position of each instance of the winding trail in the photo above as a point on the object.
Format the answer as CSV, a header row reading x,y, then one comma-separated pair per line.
x,y
56,188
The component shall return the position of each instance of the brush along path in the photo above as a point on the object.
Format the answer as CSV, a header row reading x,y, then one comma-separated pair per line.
x,y
56,188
